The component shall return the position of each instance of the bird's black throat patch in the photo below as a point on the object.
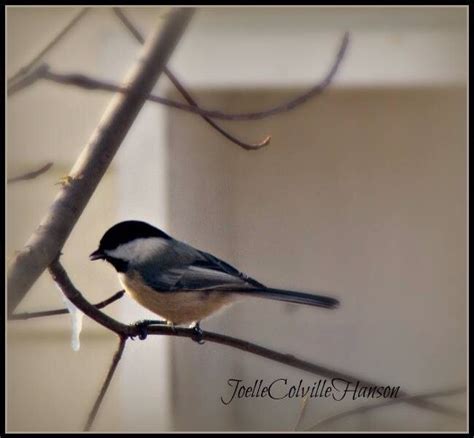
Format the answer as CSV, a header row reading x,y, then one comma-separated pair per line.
x,y
119,264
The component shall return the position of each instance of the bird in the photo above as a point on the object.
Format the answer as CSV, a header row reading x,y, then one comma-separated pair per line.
x,y
182,284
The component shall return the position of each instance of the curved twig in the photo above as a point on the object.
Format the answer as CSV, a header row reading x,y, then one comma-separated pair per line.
x,y
84,81
360,409
172,77
30,175
30,315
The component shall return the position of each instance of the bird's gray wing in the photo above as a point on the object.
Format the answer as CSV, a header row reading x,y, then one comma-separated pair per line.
x,y
197,278
201,272
208,261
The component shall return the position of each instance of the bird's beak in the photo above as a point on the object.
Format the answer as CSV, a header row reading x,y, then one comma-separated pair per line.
x,y
97,255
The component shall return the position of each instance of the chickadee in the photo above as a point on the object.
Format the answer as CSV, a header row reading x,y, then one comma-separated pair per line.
x,y
180,283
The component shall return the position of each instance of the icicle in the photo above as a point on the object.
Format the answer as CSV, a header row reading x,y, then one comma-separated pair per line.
x,y
76,319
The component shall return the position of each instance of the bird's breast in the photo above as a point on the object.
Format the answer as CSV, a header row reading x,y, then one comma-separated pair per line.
x,y
177,307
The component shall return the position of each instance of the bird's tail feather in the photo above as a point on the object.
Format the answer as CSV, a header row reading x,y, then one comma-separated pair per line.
x,y
294,297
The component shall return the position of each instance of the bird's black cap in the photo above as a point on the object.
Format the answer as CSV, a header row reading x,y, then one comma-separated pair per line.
x,y
125,232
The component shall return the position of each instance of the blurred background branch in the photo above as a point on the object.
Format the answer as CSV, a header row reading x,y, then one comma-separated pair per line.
x,y
361,409
91,83
172,77
30,175
23,71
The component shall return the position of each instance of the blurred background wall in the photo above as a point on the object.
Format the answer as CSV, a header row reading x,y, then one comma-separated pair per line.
x,y
361,193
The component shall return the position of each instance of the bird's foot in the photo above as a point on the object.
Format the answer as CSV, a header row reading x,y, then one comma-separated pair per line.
x,y
197,334
142,327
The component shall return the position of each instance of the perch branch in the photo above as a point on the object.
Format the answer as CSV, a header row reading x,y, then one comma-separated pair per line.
x,y
91,165
26,68
60,277
30,175
89,83
105,385
30,315
138,36
361,409
62,280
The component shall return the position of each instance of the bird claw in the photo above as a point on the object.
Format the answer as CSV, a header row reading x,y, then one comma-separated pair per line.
x,y
197,334
142,328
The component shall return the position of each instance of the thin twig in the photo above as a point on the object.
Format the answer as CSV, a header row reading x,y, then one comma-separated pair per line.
x,y
172,77
360,409
105,385
29,315
94,160
62,280
26,68
304,405
26,80
89,83
30,175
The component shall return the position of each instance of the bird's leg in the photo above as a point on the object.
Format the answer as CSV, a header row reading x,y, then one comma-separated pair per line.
x,y
142,326
197,333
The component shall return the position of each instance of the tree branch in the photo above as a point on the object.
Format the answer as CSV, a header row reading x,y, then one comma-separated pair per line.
x,y
26,68
30,315
128,331
105,385
50,236
89,83
30,175
138,36
15,83
361,409
60,277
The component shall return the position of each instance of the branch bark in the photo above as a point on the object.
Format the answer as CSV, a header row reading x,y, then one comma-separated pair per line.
x,y
50,236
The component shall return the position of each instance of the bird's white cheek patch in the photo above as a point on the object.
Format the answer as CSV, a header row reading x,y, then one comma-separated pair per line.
x,y
139,249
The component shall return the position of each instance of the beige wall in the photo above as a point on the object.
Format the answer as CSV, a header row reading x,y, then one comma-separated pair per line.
x,y
361,193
